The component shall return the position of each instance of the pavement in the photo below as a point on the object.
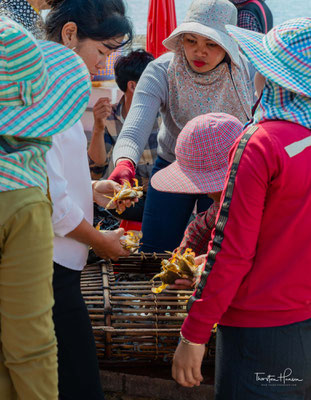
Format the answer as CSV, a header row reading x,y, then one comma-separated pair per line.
x,y
125,386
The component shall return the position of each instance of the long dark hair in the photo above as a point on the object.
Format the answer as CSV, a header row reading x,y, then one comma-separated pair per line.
x,y
95,19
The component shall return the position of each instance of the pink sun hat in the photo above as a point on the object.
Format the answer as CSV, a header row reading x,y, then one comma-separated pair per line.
x,y
202,150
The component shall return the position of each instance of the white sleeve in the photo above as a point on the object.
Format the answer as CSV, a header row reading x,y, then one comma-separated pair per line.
x,y
66,214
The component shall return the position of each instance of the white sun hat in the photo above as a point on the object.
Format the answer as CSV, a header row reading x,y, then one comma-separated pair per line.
x,y
208,18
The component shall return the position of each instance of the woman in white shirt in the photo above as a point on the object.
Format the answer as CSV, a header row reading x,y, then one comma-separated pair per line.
x,y
94,30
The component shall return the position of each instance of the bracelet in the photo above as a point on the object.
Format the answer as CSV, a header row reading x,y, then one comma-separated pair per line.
x,y
186,341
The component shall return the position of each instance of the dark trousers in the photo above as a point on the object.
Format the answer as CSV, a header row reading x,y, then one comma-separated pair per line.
x,y
166,215
77,361
264,363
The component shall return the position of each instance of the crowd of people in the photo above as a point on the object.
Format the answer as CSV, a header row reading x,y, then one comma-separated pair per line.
x,y
216,130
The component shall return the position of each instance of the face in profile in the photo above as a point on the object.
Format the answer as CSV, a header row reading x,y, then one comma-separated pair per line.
x,y
94,53
202,54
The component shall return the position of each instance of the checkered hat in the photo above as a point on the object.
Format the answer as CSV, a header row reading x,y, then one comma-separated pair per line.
x,y
44,87
201,155
283,55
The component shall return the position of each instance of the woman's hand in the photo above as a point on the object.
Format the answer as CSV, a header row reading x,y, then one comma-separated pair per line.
x,y
183,284
187,361
108,246
109,188
101,111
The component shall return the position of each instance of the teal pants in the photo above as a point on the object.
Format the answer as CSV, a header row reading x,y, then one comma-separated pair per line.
x,y
28,350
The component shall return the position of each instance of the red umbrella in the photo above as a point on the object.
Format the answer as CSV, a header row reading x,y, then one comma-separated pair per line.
x,y
161,22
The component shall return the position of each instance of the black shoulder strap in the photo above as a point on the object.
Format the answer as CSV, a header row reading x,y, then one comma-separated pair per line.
x,y
223,215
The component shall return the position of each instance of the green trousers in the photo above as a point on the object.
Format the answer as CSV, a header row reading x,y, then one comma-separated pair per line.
x,y
28,350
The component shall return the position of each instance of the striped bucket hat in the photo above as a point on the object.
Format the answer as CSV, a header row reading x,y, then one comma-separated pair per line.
x,y
44,87
283,55
201,155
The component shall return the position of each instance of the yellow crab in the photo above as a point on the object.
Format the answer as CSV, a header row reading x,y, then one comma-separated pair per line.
x,y
131,240
127,192
179,266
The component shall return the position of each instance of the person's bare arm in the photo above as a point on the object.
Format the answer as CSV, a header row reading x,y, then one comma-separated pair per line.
x,y
106,244
97,149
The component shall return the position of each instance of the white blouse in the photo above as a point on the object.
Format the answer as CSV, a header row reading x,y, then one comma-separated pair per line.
x,y
71,194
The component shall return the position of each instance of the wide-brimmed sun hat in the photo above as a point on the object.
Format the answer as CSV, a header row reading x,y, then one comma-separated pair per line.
x,y
283,55
44,86
201,155
208,18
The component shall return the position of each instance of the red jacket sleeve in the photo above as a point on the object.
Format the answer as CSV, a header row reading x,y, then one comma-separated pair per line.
x,y
233,246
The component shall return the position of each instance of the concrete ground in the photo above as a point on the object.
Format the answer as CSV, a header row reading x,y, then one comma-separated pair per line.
x,y
120,396
125,386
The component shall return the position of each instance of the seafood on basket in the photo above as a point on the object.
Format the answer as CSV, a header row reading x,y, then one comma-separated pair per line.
x,y
127,192
179,266
131,240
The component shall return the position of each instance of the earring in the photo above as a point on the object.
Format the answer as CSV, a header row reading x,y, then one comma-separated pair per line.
x,y
68,45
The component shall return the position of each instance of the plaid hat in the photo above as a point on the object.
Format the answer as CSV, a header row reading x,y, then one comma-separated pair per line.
x,y
44,86
283,55
201,155
208,18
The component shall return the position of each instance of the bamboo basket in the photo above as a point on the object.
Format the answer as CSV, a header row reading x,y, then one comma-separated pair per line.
x,y
130,323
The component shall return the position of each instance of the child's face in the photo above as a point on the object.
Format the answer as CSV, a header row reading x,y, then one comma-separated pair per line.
x,y
202,54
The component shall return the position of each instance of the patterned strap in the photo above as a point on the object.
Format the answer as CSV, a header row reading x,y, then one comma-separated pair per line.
x,y
263,12
223,216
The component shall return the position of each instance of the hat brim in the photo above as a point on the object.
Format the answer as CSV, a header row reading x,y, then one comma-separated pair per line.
x,y
252,45
174,179
221,38
63,104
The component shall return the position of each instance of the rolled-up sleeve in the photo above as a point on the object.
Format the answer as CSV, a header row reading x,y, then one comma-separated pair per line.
x,y
67,215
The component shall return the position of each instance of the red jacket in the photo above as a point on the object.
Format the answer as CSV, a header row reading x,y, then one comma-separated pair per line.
x,y
260,254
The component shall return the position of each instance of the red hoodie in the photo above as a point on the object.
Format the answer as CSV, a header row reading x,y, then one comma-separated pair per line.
x,y
260,253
